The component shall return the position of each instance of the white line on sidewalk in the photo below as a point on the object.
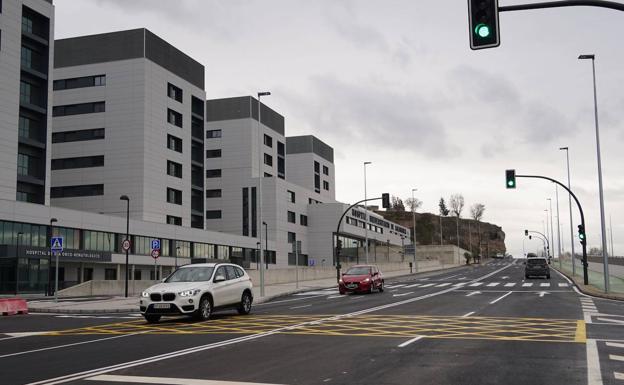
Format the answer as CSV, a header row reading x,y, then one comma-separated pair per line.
x,y
165,380
468,314
499,298
404,344
594,377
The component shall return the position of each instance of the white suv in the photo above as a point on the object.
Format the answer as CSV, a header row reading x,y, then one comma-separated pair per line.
x,y
198,289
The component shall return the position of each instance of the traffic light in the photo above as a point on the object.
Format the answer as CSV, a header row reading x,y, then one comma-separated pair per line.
x,y
385,200
338,246
581,234
526,232
530,237
510,177
483,24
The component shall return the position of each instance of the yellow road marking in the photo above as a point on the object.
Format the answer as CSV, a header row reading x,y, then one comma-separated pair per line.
x,y
581,333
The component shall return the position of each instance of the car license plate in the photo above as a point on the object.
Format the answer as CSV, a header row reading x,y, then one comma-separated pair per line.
x,y
161,306
352,286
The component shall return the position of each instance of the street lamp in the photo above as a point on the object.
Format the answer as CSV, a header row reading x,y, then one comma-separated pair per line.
x,y
125,198
266,243
175,263
17,262
552,234
260,176
52,222
602,214
558,226
366,213
570,208
414,221
546,231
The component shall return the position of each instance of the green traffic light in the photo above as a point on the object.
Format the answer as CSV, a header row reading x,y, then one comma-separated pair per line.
x,y
483,30
510,183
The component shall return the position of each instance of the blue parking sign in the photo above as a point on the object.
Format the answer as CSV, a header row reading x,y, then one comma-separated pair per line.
x,y
155,244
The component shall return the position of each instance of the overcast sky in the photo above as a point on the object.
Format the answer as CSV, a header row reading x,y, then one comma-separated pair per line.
x,y
395,83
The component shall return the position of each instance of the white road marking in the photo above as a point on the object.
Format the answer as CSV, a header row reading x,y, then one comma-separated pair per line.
x,y
542,293
427,285
563,284
545,284
337,296
165,380
299,307
403,294
356,297
615,345
443,284
616,357
459,284
25,334
476,284
66,345
499,298
618,376
594,377
318,292
473,293
510,284
527,284
611,320
404,344
492,284
468,314
200,348
414,285
394,286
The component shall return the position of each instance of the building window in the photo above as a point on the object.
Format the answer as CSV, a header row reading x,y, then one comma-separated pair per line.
x,y
281,149
78,135
292,237
325,170
281,167
23,162
79,109
174,92
216,193
214,173
27,25
77,191
213,214
82,82
325,185
317,167
245,211
303,220
174,196
78,162
291,196
213,153
268,141
174,117
291,217
172,220
317,183
27,55
110,274
268,160
267,175
26,92
174,143
137,275
174,169
210,134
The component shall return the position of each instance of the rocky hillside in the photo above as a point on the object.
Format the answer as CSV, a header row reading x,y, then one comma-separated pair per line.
x,y
470,232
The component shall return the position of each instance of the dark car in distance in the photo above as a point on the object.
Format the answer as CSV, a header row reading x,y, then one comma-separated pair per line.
x,y
536,267
361,279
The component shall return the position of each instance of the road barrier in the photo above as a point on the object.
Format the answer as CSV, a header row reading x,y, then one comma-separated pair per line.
x,y
10,306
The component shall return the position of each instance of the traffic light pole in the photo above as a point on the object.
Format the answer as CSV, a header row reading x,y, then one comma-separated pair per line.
x,y
544,239
336,254
567,3
584,241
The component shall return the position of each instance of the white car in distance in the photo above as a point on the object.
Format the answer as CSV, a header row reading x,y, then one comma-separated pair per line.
x,y
198,290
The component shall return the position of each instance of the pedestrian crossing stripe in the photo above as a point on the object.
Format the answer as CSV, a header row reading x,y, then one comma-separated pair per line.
x,y
443,284
476,284
511,284
427,285
492,284
528,284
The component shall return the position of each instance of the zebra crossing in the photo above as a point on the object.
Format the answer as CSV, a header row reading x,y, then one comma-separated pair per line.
x,y
477,284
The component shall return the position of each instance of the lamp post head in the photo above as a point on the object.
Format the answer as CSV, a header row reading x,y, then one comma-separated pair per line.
x,y
563,148
588,56
266,93
365,163
124,198
414,189
53,220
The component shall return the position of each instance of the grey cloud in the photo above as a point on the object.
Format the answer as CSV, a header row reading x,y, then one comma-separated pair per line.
x,y
475,85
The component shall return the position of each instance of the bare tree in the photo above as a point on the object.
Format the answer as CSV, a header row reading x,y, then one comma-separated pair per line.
x,y
444,211
476,211
397,204
413,204
456,203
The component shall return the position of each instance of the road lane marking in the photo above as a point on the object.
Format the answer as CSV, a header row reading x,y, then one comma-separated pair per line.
x,y
403,294
545,284
616,357
394,286
404,344
511,284
337,296
499,298
318,292
492,284
542,293
527,284
476,284
166,380
618,376
443,284
427,285
615,345
468,314
414,285
563,284
581,332
25,334
183,352
594,377
300,307
473,293
459,284
73,344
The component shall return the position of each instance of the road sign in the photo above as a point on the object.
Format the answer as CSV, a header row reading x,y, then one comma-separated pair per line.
x,y
155,244
125,245
155,254
311,262
56,244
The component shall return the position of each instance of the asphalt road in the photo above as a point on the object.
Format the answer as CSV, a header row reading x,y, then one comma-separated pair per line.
x,y
472,325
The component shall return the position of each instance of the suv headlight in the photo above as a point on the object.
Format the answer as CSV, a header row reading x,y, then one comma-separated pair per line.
x,y
145,294
189,293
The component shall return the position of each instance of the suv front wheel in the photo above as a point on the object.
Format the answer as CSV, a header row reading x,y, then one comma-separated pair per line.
x,y
204,310
245,304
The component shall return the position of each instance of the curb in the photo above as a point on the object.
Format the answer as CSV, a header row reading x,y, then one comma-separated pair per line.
x,y
83,311
591,291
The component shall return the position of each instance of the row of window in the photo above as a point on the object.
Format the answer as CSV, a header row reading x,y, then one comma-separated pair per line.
x,y
78,135
362,224
291,218
78,109
81,82
78,162
77,191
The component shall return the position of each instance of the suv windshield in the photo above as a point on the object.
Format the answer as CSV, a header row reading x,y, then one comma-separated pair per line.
x,y
536,261
191,274
358,271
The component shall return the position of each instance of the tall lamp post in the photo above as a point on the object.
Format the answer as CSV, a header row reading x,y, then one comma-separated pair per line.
x,y
266,243
17,262
125,198
552,234
602,214
260,177
52,222
570,208
414,222
366,208
558,226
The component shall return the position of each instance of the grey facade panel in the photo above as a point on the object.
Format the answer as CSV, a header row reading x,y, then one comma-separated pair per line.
x,y
309,143
101,48
124,45
243,107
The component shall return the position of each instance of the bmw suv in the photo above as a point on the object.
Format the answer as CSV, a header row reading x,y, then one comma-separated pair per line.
x,y
198,290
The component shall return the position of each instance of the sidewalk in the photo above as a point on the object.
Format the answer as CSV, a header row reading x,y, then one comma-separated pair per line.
x,y
596,279
103,304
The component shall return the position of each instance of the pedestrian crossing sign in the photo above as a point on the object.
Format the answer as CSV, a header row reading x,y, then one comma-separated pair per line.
x,y
56,244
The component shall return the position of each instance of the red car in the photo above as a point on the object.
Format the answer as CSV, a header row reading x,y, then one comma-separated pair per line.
x,y
361,279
